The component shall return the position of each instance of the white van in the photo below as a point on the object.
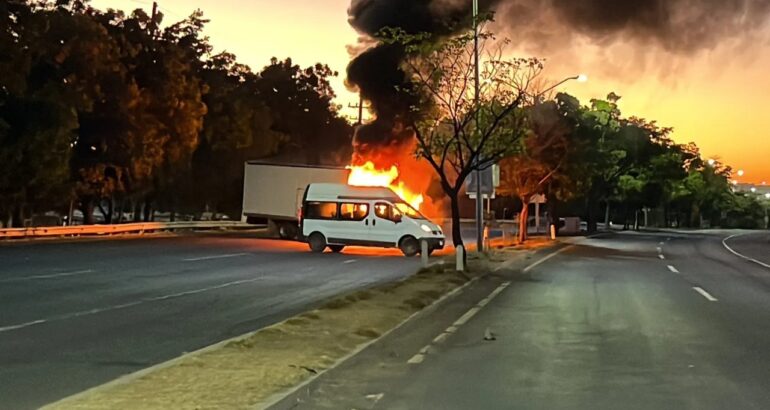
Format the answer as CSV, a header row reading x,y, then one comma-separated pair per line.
x,y
336,215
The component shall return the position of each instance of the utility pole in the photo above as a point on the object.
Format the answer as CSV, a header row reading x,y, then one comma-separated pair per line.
x,y
479,193
153,20
360,107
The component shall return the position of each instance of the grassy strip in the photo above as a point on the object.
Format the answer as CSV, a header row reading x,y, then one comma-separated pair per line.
x,y
247,371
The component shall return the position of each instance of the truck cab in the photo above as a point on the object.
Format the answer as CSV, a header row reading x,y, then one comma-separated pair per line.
x,y
337,215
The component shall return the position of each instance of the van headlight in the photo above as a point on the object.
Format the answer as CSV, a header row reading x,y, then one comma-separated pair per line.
x,y
425,228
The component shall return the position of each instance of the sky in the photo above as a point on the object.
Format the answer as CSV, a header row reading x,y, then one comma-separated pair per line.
x,y
716,96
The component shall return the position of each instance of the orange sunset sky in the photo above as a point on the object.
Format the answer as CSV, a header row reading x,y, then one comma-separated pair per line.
x,y
716,97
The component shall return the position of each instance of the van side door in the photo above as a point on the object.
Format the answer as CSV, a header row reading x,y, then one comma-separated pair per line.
x,y
352,224
386,228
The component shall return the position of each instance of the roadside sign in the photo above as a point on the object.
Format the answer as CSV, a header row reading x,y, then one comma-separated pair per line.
x,y
490,179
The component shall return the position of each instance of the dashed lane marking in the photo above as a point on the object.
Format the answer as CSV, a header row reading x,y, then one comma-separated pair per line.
x,y
126,305
441,338
48,276
705,294
205,258
672,269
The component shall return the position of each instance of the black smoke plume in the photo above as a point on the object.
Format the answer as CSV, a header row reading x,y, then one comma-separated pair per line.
x,y
377,72
543,28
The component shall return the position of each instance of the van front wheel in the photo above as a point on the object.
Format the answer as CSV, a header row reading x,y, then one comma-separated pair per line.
x,y
409,246
317,242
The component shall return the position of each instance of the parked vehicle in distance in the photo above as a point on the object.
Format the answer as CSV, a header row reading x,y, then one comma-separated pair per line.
x,y
337,215
272,193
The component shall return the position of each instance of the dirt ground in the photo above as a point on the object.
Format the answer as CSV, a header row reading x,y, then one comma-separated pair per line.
x,y
247,372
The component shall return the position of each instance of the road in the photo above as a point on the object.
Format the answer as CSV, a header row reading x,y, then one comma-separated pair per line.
x,y
78,314
631,321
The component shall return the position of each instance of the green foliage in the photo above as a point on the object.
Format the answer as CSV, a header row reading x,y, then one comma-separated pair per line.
x,y
101,106
459,128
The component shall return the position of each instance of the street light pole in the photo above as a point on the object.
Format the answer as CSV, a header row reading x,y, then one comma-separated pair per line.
x,y
580,77
479,197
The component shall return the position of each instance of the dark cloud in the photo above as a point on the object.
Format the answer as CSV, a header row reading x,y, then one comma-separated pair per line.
x,y
676,26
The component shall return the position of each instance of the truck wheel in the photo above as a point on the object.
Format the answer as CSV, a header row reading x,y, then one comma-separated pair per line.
x,y
409,246
336,248
317,242
287,230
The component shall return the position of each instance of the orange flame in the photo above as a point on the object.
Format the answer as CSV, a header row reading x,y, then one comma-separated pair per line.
x,y
369,175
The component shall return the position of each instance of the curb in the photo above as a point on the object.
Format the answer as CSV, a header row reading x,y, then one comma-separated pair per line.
x,y
274,401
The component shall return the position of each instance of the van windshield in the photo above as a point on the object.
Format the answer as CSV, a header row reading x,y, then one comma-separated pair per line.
x,y
406,209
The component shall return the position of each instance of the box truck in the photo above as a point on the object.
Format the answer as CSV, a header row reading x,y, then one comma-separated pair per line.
x,y
272,193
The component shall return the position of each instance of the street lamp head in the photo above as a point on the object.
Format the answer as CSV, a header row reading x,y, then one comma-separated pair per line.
x,y
581,78
753,190
712,161
767,195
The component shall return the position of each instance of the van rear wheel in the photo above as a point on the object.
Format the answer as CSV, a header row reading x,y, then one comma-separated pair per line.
x,y
317,242
409,246
336,248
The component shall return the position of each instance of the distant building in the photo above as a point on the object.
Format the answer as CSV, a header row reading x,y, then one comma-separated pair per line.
x,y
758,189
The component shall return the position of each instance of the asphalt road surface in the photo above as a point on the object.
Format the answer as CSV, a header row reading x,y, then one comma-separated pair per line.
x,y
627,321
78,314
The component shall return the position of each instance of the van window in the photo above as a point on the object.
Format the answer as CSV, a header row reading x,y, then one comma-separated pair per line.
x,y
382,210
353,212
321,210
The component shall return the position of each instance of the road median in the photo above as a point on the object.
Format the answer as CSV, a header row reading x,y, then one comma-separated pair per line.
x,y
256,369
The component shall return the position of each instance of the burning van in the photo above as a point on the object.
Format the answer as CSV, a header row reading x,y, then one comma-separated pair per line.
x,y
338,215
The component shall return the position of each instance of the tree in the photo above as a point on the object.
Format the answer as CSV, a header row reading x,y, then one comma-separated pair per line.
x,y
301,103
236,128
544,151
454,133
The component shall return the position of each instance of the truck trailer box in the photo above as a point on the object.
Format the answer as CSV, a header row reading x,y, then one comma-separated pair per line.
x,y
272,193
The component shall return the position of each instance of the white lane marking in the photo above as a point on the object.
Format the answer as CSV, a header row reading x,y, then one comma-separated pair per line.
x,y
672,269
740,255
350,261
440,338
530,267
659,249
467,316
705,294
127,304
660,243
416,359
661,257
205,258
48,276
419,357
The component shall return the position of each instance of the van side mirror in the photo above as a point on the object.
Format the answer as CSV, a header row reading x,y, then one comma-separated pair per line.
x,y
397,218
